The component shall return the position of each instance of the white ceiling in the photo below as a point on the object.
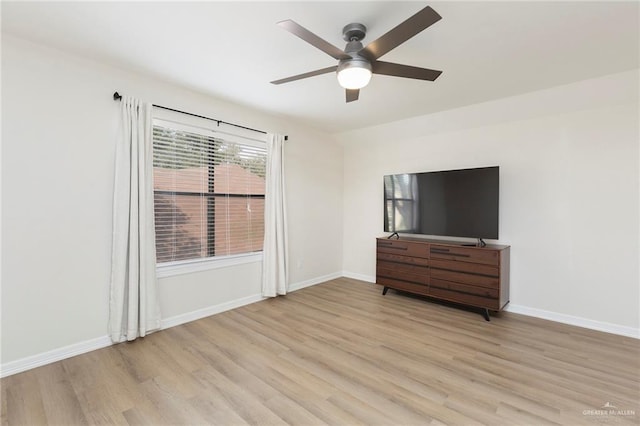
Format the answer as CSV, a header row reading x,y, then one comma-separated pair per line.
x,y
231,50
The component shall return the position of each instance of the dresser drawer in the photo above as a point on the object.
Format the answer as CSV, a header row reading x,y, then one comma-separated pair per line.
x,y
465,254
410,276
465,298
402,267
492,293
402,285
464,278
404,248
471,268
402,259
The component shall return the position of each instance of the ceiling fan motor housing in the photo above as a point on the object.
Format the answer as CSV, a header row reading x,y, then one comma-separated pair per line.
x,y
352,48
353,35
356,62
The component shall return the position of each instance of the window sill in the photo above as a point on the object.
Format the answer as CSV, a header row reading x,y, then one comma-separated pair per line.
x,y
190,266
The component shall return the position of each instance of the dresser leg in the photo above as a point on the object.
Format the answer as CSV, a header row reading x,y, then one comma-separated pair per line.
x,y
384,290
485,314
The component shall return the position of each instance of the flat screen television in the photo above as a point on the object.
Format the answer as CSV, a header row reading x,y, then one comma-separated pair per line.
x,y
452,203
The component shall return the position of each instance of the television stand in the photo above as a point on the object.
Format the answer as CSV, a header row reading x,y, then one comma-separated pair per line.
x,y
475,276
396,234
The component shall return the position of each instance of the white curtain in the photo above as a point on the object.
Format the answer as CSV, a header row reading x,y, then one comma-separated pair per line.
x,y
274,267
134,308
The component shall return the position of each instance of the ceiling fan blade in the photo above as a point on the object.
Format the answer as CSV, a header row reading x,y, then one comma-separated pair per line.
x,y
403,32
306,75
352,94
406,71
313,39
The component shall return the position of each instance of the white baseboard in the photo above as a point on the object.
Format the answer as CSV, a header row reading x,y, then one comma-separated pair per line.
x,y
27,363
54,355
314,281
208,311
577,321
361,277
227,306
540,313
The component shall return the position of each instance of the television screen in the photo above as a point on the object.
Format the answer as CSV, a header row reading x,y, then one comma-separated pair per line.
x,y
454,203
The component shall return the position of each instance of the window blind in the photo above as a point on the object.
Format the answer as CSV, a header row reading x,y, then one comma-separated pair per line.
x,y
208,192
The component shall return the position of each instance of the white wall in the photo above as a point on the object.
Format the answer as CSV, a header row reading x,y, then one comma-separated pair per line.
x,y
569,194
59,125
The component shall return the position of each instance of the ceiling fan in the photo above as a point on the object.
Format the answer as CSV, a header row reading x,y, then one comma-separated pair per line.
x,y
356,63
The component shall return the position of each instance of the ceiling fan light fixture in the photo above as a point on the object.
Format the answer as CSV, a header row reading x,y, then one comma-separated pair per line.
x,y
354,73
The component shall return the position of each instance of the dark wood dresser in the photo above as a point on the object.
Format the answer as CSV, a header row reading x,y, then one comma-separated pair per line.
x,y
469,275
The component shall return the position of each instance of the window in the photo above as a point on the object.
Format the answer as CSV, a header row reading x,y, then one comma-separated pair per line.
x,y
208,193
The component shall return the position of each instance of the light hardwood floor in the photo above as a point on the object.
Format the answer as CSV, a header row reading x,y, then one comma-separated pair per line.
x,y
341,353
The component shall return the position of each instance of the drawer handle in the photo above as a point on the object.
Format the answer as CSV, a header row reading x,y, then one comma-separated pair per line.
x,y
446,251
391,246
459,255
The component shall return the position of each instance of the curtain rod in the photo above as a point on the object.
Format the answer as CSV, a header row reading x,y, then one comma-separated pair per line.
x,y
117,96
